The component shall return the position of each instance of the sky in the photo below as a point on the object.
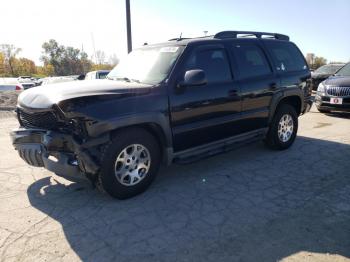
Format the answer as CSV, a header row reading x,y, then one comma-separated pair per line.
x,y
316,26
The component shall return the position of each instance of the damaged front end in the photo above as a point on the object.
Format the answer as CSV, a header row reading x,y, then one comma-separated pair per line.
x,y
46,139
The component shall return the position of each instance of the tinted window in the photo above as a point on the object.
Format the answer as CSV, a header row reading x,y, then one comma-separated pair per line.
x,y
287,56
102,75
213,62
251,60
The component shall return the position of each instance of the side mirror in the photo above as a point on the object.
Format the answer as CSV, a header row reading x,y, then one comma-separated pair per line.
x,y
194,77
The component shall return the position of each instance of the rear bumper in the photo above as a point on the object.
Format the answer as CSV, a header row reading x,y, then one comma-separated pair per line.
x,y
57,152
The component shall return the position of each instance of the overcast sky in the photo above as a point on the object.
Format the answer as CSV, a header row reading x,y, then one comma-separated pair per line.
x,y
321,27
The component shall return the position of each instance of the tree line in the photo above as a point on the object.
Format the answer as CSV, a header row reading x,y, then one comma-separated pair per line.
x,y
58,60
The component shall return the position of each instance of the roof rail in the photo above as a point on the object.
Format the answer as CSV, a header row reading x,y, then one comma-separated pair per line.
x,y
178,39
234,34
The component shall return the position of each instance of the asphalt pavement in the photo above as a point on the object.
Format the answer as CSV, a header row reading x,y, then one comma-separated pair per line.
x,y
251,204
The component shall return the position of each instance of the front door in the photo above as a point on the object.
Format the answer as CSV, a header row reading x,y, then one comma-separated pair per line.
x,y
206,113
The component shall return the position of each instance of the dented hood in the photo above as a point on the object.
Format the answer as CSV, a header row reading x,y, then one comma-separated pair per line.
x,y
46,96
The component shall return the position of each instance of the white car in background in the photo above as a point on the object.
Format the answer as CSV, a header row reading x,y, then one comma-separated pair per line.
x,y
10,84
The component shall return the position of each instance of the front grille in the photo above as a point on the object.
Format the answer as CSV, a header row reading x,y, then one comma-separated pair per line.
x,y
44,120
340,91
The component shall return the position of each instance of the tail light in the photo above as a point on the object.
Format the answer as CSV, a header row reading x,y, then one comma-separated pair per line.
x,y
18,88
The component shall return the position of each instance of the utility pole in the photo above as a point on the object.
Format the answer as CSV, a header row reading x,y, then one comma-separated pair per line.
x,y
128,25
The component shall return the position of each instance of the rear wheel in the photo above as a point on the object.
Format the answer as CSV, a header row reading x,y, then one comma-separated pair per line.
x,y
283,128
129,163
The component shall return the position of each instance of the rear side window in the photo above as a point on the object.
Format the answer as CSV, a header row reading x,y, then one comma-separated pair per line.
x,y
287,56
251,60
213,62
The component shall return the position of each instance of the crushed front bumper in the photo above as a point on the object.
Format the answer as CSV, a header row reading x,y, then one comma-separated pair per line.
x,y
57,152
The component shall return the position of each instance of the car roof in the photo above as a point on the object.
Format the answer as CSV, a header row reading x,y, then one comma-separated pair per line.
x,y
224,36
207,40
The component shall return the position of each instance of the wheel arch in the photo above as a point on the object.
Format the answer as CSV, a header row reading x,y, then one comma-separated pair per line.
x,y
156,123
293,99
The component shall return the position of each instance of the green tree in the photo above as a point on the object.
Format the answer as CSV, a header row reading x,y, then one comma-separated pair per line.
x,y
65,60
53,55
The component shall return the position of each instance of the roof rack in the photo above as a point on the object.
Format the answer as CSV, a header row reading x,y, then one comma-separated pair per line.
x,y
178,39
235,34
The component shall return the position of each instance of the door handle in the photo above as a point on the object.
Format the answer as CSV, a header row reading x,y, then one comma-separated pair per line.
x,y
232,92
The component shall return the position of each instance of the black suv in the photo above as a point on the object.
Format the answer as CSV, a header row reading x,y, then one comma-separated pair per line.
x,y
171,102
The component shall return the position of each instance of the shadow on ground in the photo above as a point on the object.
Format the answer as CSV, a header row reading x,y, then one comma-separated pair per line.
x,y
345,115
248,205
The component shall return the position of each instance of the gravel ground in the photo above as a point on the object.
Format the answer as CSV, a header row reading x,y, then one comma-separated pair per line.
x,y
251,204
8,100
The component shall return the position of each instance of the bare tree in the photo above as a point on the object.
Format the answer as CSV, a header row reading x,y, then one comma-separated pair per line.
x,y
100,57
113,60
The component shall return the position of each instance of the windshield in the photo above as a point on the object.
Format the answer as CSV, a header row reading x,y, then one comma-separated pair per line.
x,y
328,69
150,65
345,71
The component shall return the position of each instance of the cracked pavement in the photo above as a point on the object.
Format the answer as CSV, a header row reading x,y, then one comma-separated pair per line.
x,y
251,204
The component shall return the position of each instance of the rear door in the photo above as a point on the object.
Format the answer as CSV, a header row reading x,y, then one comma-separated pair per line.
x,y
207,113
257,80
291,66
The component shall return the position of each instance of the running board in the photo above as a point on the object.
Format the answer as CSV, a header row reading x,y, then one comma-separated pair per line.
x,y
217,147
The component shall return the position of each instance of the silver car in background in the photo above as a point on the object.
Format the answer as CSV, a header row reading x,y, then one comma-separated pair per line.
x,y
10,84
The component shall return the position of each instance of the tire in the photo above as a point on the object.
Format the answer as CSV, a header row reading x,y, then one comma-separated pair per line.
x,y
323,111
273,140
114,163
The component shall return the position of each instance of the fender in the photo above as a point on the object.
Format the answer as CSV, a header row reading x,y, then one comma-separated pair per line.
x,y
282,94
95,128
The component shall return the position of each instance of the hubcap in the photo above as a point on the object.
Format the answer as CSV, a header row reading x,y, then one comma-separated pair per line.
x,y
285,128
132,164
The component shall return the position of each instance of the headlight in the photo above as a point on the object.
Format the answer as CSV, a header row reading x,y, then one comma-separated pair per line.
x,y
321,89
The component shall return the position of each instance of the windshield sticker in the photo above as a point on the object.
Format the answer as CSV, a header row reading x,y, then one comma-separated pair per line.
x,y
169,49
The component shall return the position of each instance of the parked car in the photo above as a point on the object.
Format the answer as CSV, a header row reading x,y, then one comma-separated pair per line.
x,y
100,74
56,79
333,94
323,73
178,101
10,84
27,84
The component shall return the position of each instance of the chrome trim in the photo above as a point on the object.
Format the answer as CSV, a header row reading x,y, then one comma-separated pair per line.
x,y
338,91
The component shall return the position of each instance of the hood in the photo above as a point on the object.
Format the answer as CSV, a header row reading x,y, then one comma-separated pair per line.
x,y
319,76
342,81
46,96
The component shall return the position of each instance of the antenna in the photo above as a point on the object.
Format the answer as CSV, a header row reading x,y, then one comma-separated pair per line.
x,y
93,46
180,36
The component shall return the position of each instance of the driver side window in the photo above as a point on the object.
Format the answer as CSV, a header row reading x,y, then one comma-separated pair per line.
x,y
213,62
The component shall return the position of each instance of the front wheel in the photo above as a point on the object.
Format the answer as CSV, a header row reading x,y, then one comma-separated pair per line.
x,y
129,163
283,128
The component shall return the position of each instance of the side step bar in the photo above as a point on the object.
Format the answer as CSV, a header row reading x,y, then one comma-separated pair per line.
x,y
217,147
